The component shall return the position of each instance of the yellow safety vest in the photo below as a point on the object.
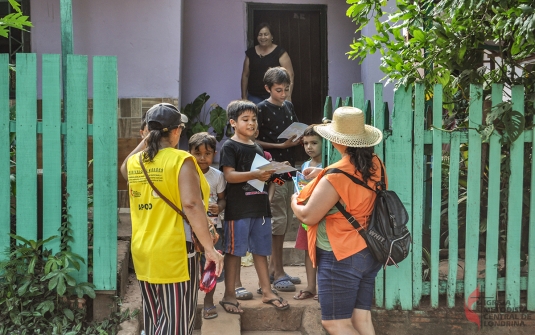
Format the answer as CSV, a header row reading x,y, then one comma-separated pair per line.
x,y
158,240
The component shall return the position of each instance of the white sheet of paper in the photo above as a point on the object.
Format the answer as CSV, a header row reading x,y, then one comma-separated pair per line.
x,y
279,167
296,128
257,162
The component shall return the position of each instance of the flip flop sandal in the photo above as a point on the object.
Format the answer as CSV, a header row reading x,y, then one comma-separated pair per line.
x,y
259,291
209,315
225,303
294,280
284,284
243,294
280,308
304,295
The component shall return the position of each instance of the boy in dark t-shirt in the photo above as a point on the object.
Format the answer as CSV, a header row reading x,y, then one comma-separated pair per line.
x,y
275,114
247,223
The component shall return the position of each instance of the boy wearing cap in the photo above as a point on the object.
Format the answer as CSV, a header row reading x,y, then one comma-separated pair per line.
x,y
165,262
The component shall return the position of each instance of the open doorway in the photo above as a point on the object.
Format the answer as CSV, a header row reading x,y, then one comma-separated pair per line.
x,y
302,31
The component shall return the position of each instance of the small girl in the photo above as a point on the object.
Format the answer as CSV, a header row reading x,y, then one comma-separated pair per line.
x,y
312,143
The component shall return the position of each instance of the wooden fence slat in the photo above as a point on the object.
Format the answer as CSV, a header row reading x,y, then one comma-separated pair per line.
x,y
5,215
453,219
493,210
357,93
399,163
26,169
531,243
443,285
51,149
436,199
473,193
325,145
105,172
418,200
77,155
378,122
514,209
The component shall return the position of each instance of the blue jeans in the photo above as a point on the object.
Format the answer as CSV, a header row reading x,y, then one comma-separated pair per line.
x,y
346,284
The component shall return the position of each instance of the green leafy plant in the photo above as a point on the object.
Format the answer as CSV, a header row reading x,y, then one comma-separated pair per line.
x,y
14,20
36,288
198,113
39,295
455,43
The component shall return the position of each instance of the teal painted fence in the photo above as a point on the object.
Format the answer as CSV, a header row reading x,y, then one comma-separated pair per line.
x,y
451,183
100,239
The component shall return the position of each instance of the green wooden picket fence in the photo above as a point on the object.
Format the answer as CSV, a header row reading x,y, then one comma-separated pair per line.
x,y
69,159
413,154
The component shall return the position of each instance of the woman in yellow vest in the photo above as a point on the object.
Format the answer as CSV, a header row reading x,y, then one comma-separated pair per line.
x,y
165,261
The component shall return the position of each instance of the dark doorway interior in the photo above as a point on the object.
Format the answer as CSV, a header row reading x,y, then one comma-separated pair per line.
x,y
302,31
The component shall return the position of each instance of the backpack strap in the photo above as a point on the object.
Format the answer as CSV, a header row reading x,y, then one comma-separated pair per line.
x,y
353,178
350,218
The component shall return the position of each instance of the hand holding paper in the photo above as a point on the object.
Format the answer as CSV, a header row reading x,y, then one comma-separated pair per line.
x,y
295,129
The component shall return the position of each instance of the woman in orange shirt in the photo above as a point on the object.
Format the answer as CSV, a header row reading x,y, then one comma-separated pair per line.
x,y
346,269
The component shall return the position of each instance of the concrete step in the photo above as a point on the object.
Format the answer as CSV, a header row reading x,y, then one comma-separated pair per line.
x,y
303,316
262,332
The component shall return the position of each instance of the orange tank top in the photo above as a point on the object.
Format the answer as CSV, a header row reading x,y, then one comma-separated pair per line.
x,y
344,239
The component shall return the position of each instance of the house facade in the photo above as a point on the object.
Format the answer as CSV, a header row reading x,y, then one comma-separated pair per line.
x,y
174,50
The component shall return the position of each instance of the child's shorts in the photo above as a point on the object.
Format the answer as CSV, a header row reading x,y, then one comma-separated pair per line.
x,y
249,234
301,241
281,209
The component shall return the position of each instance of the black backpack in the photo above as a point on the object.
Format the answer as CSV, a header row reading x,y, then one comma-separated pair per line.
x,y
387,236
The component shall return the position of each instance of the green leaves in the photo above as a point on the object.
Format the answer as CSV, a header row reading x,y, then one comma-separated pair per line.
x,y
218,121
197,115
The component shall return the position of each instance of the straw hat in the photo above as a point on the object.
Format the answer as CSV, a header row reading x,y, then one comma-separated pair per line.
x,y
348,128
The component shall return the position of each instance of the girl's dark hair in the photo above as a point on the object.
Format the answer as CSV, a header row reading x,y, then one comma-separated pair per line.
x,y
153,141
361,158
262,26
276,75
238,107
203,138
309,131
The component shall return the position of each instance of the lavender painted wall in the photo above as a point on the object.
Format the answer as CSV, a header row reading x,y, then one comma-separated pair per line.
x,y
215,41
208,56
143,34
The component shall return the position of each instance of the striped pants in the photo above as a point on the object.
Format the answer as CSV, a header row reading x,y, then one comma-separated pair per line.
x,y
169,309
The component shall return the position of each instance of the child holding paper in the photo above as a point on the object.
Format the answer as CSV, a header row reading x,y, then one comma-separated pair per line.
x,y
312,143
247,224
275,114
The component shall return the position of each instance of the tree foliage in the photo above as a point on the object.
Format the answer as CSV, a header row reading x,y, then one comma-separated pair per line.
x,y
451,42
14,20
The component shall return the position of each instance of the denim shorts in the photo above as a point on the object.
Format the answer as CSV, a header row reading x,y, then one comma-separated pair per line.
x,y
249,234
346,284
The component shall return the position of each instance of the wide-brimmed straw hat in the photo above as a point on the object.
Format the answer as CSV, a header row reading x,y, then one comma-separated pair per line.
x,y
348,128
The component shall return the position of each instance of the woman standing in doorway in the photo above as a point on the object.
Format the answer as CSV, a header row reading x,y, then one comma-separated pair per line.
x,y
258,60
